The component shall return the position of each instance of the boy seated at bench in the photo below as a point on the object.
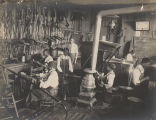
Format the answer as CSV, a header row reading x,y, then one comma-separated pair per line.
x,y
48,82
107,81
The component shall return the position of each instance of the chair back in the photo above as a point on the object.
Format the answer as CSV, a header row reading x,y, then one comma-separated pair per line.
x,y
3,81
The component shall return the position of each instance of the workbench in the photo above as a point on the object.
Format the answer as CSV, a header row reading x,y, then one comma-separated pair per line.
x,y
11,74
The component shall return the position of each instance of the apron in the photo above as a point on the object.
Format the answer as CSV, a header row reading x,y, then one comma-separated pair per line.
x,y
64,64
39,95
64,80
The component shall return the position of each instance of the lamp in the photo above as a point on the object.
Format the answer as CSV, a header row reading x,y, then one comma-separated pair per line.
x,y
142,6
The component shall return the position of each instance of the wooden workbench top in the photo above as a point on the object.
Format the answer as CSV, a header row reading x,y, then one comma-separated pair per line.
x,y
16,67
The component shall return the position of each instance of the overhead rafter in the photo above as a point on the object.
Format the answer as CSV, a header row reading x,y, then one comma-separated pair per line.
x,y
112,2
93,2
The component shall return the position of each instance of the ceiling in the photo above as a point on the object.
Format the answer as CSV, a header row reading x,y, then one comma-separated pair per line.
x,y
90,2
94,2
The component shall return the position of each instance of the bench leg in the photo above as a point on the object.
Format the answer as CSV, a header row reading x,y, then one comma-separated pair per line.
x,y
14,102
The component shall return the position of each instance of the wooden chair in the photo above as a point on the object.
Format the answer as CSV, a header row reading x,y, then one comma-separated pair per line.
x,y
8,98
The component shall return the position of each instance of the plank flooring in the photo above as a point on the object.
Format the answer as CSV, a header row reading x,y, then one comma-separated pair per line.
x,y
74,113
77,113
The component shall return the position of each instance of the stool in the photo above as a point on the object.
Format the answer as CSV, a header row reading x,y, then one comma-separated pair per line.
x,y
112,96
125,90
134,103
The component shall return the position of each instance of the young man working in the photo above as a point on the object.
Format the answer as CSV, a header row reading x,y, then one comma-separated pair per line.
x,y
49,82
64,66
107,81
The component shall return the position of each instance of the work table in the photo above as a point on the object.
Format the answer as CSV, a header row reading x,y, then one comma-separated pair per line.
x,y
16,67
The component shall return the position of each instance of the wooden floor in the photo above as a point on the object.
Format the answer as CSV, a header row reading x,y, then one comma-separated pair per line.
x,y
99,112
77,113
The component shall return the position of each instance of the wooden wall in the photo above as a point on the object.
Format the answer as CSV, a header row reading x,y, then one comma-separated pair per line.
x,y
145,44
40,21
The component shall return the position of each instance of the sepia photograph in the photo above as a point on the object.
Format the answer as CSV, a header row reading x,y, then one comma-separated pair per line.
x,y
77,59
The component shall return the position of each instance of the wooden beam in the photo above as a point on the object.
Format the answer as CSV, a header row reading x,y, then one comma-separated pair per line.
x,y
92,2
112,2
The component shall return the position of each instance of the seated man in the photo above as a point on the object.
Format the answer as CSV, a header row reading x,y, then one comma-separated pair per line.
x,y
137,73
130,56
139,82
50,85
48,58
106,81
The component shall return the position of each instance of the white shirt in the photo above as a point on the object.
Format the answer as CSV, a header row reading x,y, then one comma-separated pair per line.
x,y
110,78
48,59
73,48
52,81
137,73
129,57
67,58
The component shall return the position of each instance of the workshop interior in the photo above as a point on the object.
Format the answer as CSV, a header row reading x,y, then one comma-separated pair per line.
x,y
78,60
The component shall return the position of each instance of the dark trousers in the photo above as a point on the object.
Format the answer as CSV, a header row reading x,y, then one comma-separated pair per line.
x,y
36,94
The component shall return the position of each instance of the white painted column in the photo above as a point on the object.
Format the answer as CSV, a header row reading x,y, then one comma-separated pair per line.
x,y
96,43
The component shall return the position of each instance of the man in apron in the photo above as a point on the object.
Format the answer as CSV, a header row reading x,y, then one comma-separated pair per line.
x,y
64,66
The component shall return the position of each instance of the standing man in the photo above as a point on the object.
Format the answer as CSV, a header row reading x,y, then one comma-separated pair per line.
x,y
64,63
73,51
65,67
